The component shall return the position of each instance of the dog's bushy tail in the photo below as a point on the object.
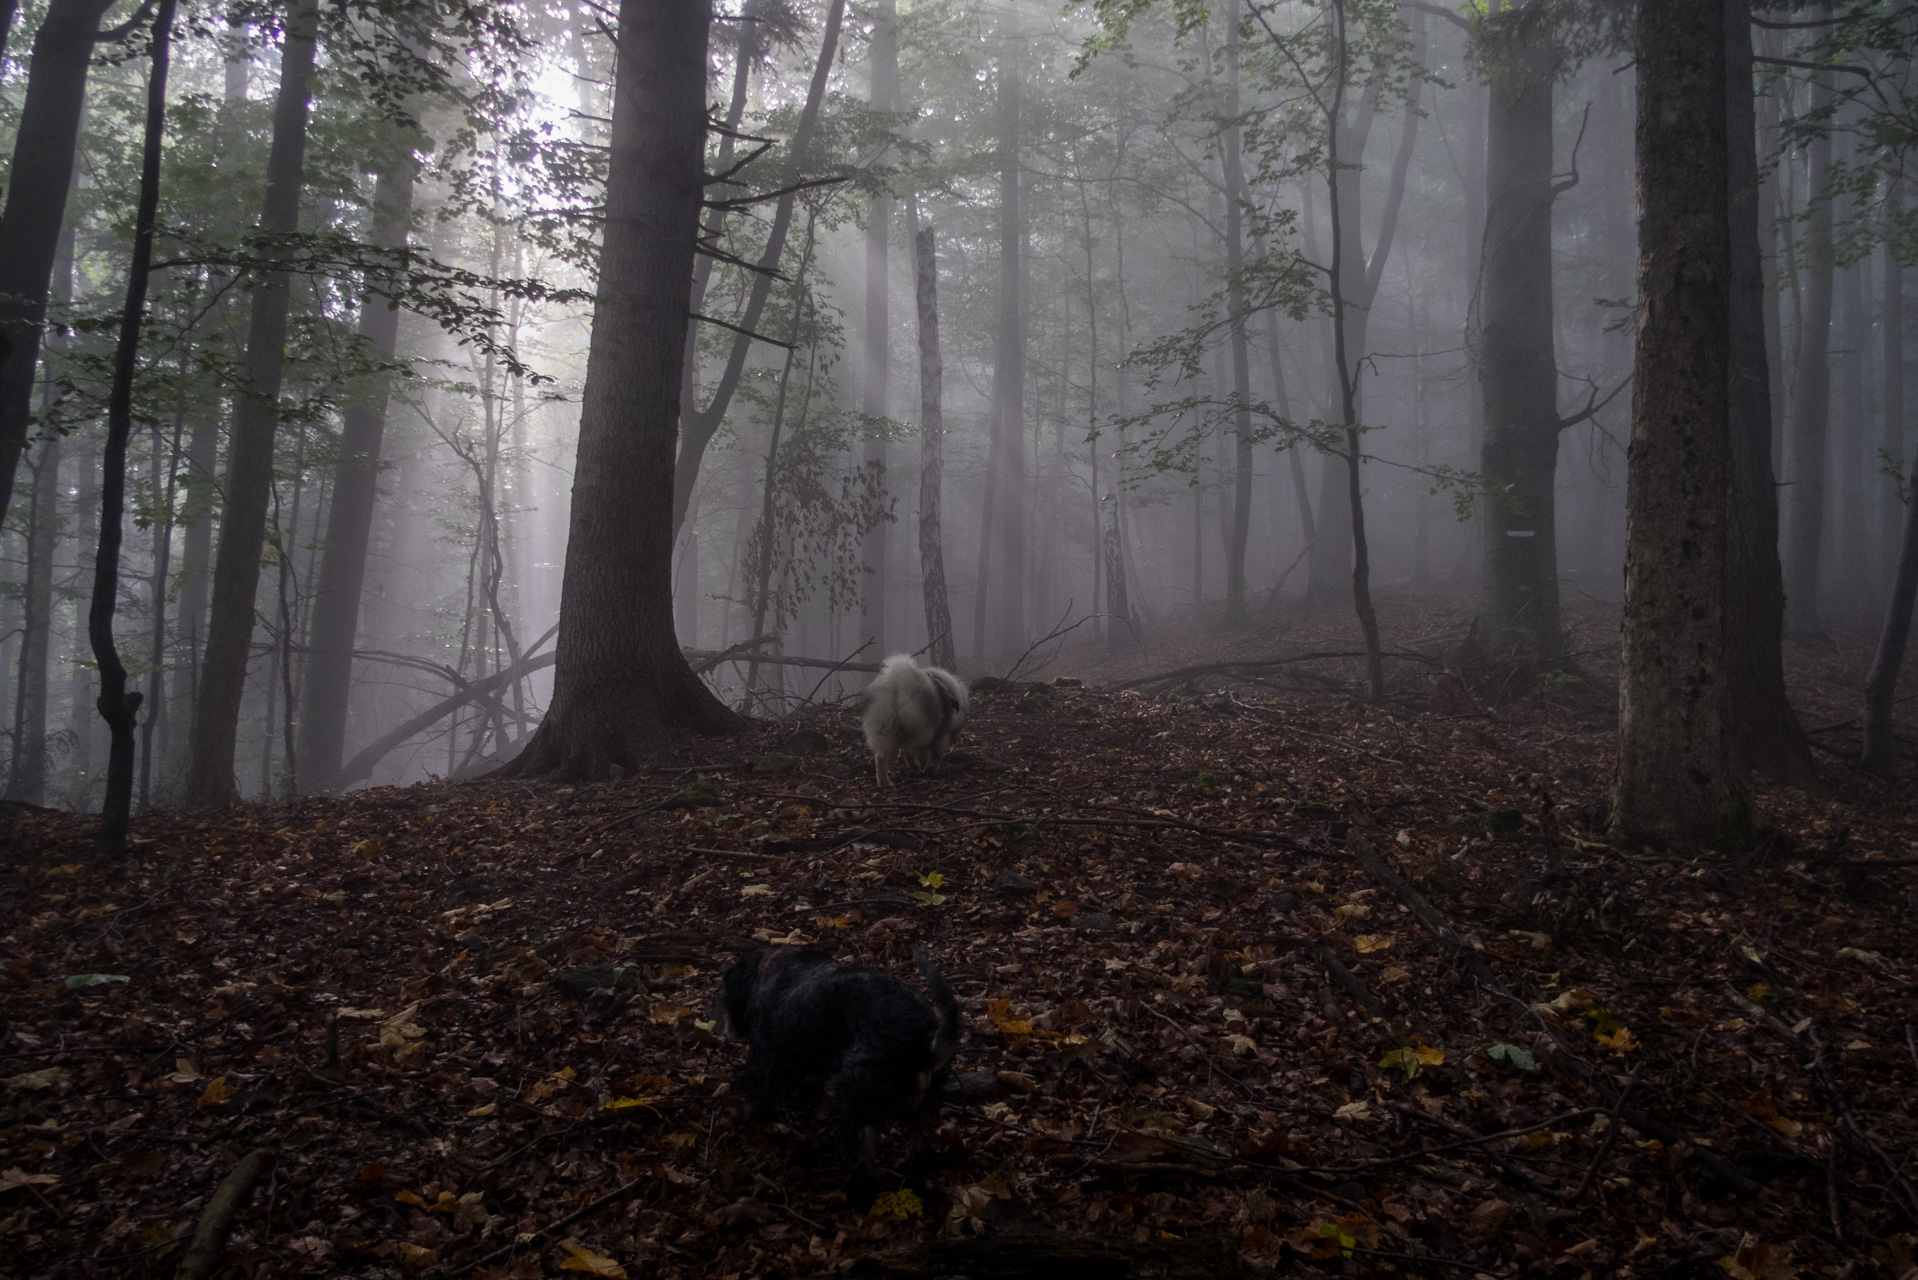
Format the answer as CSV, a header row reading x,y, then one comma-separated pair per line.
x,y
946,1039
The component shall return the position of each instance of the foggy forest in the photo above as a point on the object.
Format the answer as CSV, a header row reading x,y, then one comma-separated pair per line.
x,y
1334,575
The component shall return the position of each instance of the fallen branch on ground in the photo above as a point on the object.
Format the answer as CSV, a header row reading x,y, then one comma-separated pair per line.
x,y
1257,664
208,1249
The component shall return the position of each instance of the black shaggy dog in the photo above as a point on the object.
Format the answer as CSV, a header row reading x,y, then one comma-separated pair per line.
x,y
873,1044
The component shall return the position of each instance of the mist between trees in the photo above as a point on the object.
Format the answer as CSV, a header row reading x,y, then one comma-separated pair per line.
x,y
1140,317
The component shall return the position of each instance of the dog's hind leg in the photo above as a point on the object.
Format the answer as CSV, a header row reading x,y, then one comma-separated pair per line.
x,y
856,1098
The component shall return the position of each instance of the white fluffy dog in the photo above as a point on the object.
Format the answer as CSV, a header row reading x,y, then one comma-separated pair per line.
x,y
912,711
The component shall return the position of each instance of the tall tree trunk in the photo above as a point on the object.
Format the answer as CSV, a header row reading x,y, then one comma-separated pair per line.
x,y
1518,361
42,173
1891,372
249,471
82,721
1121,638
932,434
1672,782
1762,733
701,424
876,384
622,688
157,591
1811,400
1008,480
1345,356
199,509
119,707
1330,564
1235,612
27,774
349,525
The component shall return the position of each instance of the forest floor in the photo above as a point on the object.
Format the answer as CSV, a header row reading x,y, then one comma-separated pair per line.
x,y
1209,1017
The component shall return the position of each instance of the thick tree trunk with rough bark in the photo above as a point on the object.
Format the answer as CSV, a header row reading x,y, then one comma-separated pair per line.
x,y
249,472
335,607
622,689
42,173
1811,402
1518,364
932,428
1762,733
1672,782
875,398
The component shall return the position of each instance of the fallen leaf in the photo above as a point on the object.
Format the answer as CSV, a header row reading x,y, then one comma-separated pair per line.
x,y
580,1258
217,1091
12,1178
45,1078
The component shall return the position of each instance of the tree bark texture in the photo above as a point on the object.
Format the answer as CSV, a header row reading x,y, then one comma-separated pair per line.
x,y
118,706
875,400
622,689
932,428
42,174
1762,733
1518,363
1672,783
335,607
256,411
1811,400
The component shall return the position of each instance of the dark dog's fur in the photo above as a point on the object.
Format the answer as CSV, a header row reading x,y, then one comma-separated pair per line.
x,y
873,1044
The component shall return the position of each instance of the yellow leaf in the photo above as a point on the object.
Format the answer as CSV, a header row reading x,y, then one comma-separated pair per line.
x,y
1429,1055
45,1078
1352,1111
1368,943
1000,1011
1242,1046
486,1110
580,1258
21,1178
620,1104
898,1206
753,891
410,1197
415,1257
1620,1039
668,1013
217,1091
833,922
1394,974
